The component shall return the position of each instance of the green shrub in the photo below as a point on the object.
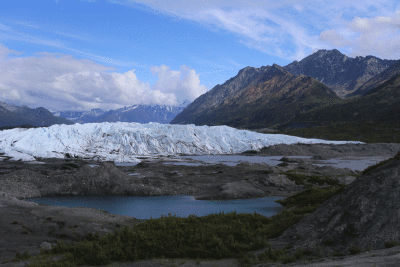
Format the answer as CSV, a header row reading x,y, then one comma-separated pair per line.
x,y
312,196
19,257
338,254
354,250
372,167
214,236
329,242
318,180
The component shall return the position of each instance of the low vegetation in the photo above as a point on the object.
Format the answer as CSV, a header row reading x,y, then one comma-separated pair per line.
x,y
214,236
309,180
366,132
372,167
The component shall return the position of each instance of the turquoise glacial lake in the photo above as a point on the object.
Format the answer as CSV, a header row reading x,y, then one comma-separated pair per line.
x,y
157,206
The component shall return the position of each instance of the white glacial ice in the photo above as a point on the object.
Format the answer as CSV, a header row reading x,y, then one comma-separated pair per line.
x,y
123,141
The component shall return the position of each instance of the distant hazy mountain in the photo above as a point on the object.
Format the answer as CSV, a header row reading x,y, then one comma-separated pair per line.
x,y
80,116
342,74
257,98
11,115
136,113
387,74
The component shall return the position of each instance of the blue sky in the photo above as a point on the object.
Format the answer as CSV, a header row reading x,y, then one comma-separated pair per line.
x,y
79,55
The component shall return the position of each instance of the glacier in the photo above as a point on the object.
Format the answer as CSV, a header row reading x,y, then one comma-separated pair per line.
x,y
125,141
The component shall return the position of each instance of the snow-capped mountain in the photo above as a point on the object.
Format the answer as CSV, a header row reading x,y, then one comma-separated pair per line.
x,y
124,142
136,113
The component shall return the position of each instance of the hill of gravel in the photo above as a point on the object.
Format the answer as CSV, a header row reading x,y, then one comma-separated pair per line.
x,y
365,215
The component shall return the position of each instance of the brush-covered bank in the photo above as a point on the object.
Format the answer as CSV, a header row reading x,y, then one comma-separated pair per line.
x,y
223,237
367,132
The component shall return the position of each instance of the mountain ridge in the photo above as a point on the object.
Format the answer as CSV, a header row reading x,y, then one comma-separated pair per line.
x,y
270,97
11,115
260,99
135,113
342,74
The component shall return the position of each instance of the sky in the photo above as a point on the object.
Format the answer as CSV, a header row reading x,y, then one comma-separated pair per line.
x,y
70,55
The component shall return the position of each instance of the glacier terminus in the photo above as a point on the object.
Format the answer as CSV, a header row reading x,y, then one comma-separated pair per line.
x,y
125,142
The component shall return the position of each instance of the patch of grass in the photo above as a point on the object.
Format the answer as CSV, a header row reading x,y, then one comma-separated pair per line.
x,y
313,196
318,180
391,243
295,177
277,255
372,167
304,179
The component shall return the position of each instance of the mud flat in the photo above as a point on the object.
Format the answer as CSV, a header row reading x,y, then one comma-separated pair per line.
x,y
25,226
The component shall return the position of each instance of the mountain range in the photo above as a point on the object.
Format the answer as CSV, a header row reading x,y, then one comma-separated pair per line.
x,y
11,116
325,87
284,97
342,74
136,113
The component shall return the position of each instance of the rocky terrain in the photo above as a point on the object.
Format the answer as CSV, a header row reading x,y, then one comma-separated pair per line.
x,y
27,226
365,215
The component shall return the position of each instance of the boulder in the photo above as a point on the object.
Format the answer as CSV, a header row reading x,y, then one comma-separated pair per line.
x,y
239,190
277,180
45,246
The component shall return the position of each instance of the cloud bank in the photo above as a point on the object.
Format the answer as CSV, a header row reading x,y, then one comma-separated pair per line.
x,y
60,82
292,29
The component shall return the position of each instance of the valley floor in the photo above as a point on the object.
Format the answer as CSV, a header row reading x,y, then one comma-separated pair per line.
x,y
24,226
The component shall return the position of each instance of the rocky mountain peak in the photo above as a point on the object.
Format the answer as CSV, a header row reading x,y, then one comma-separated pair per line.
x,y
340,73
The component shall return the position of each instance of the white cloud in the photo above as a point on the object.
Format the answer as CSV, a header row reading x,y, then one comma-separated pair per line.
x,y
7,33
379,36
4,52
183,84
60,82
270,26
334,38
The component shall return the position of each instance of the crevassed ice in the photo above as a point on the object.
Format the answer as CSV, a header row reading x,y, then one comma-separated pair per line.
x,y
123,141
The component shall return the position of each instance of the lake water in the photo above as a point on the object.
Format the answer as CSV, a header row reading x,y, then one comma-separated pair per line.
x,y
181,205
